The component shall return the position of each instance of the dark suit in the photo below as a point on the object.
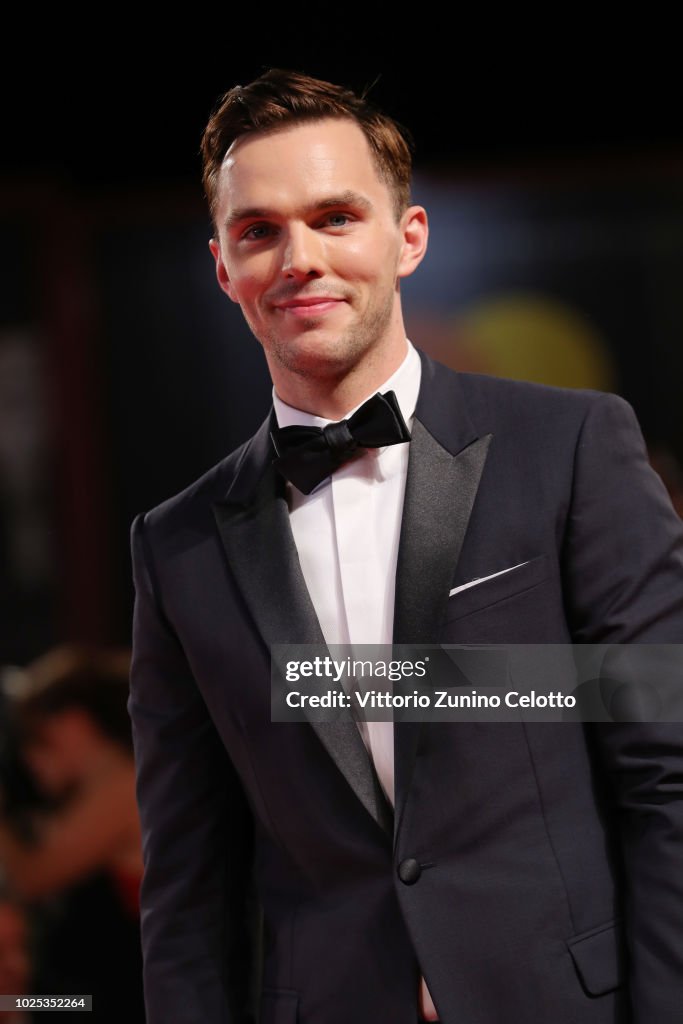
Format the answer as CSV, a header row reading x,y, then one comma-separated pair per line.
x,y
540,847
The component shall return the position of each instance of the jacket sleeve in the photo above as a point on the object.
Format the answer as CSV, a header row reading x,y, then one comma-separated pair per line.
x,y
197,914
624,564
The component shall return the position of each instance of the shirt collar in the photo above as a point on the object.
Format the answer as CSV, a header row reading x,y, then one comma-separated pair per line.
x,y
404,382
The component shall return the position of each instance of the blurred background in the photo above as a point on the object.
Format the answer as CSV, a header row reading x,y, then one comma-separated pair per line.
x,y
554,187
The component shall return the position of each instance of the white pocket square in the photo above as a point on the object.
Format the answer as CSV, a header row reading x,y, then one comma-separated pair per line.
x,y
484,579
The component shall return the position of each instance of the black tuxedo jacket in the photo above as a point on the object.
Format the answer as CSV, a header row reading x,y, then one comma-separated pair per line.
x,y
550,879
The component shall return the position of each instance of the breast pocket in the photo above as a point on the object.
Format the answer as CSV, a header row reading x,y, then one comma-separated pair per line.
x,y
498,588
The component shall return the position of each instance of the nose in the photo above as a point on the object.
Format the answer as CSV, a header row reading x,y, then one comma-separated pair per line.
x,y
302,255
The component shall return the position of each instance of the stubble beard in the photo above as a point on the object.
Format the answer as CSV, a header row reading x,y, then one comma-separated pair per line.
x,y
339,356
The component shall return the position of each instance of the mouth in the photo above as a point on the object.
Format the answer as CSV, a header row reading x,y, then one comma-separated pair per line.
x,y
309,307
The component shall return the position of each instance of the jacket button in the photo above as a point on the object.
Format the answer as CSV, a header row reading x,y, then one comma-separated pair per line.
x,y
409,871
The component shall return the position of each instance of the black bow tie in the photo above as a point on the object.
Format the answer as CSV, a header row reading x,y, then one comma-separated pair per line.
x,y
306,455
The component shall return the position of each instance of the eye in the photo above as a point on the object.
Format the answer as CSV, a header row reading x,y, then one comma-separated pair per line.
x,y
337,217
256,232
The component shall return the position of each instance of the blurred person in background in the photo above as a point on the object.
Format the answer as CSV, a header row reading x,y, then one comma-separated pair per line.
x,y
15,963
78,856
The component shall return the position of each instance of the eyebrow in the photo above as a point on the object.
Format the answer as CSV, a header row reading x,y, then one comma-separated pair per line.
x,y
347,198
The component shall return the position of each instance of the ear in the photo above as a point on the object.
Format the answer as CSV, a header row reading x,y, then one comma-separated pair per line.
x,y
221,272
414,229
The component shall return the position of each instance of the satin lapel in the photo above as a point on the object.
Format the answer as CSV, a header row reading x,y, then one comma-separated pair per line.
x,y
440,493
253,522
444,469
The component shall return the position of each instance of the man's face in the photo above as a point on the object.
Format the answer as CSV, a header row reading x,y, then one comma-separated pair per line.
x,y
308,245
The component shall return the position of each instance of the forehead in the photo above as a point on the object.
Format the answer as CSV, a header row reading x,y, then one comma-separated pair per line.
x,y
300,161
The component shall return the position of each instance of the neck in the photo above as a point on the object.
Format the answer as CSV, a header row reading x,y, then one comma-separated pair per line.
x,y
333,396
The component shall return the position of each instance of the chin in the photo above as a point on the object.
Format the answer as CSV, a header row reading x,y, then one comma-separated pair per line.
x,y
320,356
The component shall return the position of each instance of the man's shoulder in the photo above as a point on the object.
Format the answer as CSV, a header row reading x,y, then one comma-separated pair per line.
x,y
191,505
488,387
503,401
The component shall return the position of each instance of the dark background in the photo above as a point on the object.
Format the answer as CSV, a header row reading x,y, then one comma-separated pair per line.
x,y
548,166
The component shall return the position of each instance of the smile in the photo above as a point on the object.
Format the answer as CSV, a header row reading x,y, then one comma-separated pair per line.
x,y
311,308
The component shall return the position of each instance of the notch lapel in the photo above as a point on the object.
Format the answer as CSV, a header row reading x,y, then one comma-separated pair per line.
x,y
253,523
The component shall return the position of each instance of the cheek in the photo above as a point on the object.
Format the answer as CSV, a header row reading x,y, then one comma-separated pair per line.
x,y
251,288
367,261
354,258
250,278
248,291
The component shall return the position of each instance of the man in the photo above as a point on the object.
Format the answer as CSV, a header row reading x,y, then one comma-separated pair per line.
x,y
464,872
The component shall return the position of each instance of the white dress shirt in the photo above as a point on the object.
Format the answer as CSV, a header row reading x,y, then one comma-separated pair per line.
x,y
347,532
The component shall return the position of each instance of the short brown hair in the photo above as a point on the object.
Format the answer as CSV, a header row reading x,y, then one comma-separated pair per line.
x,y
279,98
